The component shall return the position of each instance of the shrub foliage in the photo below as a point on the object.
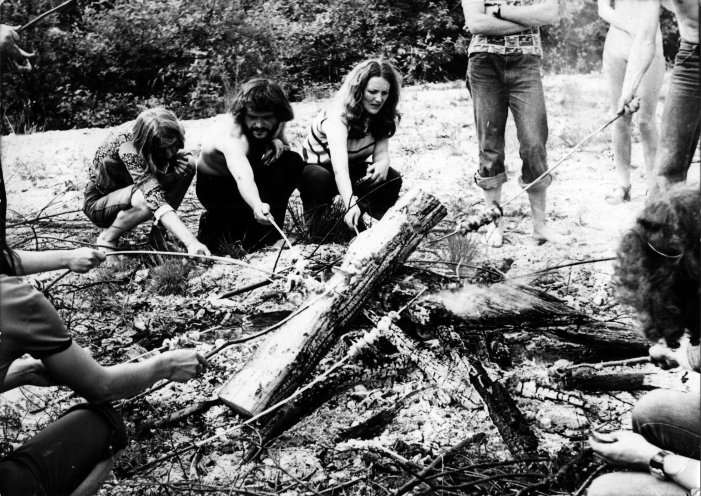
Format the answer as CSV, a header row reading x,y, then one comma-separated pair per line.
x,y
103,61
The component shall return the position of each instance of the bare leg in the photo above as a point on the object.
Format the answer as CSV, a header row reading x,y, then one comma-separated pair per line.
x,y
614,68
649,94
126,220
495,233
541,231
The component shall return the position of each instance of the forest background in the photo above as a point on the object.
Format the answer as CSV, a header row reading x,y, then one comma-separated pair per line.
x,y
99,63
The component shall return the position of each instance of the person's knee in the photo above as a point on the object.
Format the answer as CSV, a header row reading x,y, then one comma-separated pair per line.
x,y
317,183
604,485
649,407
394,183
647,127
138,201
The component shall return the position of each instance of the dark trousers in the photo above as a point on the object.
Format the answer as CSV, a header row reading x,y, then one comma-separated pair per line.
x,y
60,457
318,189
499,83
681,118
228,218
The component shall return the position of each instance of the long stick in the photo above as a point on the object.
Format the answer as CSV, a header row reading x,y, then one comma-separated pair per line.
x,y
45,14
544,174
191,255
562,160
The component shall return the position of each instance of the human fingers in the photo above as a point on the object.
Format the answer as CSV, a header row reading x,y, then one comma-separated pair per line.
x,y
662,356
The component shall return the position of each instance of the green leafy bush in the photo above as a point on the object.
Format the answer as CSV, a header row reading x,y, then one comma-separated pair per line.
x,y
100,63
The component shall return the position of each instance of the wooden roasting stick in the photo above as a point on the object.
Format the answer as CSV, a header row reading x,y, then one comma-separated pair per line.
x,y
55,10
287,357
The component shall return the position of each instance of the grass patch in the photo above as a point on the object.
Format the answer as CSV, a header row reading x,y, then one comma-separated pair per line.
x,y
170,278
324,223
459,249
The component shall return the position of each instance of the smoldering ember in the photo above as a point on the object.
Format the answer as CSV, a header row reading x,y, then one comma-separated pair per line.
x,y
401,324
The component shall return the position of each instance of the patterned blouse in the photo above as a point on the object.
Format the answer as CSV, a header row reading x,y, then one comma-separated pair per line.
x,y
116,166
526,42
315,147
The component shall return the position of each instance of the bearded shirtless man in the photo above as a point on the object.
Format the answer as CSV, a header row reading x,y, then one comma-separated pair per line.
x,y
246,171
681,119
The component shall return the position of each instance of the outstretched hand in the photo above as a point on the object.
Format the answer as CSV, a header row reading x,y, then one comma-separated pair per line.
x,y
82,260
261,213
12,55
184,364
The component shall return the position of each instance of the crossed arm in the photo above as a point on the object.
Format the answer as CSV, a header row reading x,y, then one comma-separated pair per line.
x,y
515,18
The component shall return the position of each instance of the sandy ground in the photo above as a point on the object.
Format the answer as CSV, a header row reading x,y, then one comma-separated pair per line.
x,y
435,149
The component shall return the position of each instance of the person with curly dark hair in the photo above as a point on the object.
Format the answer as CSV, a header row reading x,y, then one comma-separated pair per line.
x,y
246,171
347,148
657,273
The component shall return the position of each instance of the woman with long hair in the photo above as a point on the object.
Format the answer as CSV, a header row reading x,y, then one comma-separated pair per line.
x,y
139,173
347,148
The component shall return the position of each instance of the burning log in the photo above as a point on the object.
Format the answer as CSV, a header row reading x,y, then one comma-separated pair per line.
x,y
288,356
475,311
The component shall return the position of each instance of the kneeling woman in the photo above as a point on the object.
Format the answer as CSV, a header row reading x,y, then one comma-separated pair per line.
x,y
347,149
140,173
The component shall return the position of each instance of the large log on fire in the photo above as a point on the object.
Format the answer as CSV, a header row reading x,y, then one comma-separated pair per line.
x,y
287,356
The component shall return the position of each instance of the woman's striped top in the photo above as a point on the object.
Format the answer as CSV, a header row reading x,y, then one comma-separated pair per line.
x,y
315,147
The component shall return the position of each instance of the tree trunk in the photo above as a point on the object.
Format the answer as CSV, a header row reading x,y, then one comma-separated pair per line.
x,y
291,353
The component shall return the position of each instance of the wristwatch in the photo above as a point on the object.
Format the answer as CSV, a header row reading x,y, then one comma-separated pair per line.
x,y
657,465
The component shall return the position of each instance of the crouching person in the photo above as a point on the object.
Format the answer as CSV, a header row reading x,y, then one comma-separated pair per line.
x,y
658,275
246,172
347,148
74,454
140,173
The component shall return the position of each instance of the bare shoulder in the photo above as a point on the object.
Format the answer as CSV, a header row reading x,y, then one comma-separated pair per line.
x,y
222,134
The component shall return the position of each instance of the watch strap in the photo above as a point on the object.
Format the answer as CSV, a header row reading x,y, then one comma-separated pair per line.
x,y
657,465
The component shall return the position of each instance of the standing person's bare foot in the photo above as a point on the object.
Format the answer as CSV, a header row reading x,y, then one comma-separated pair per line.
x,y
494,236
546,234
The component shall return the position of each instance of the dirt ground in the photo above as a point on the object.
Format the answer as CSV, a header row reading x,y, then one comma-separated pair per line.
x,y
119,312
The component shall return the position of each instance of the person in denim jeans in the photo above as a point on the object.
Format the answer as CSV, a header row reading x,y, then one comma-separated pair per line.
x,y
504,73
658,275
681,119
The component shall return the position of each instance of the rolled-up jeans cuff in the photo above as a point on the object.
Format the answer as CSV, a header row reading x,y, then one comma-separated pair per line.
x,y
490,182
540,186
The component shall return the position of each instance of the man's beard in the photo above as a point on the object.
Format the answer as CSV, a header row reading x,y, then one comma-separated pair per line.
x,y
253,140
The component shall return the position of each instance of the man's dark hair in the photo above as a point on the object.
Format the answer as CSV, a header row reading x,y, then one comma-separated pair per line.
x,y
657,271
261,95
